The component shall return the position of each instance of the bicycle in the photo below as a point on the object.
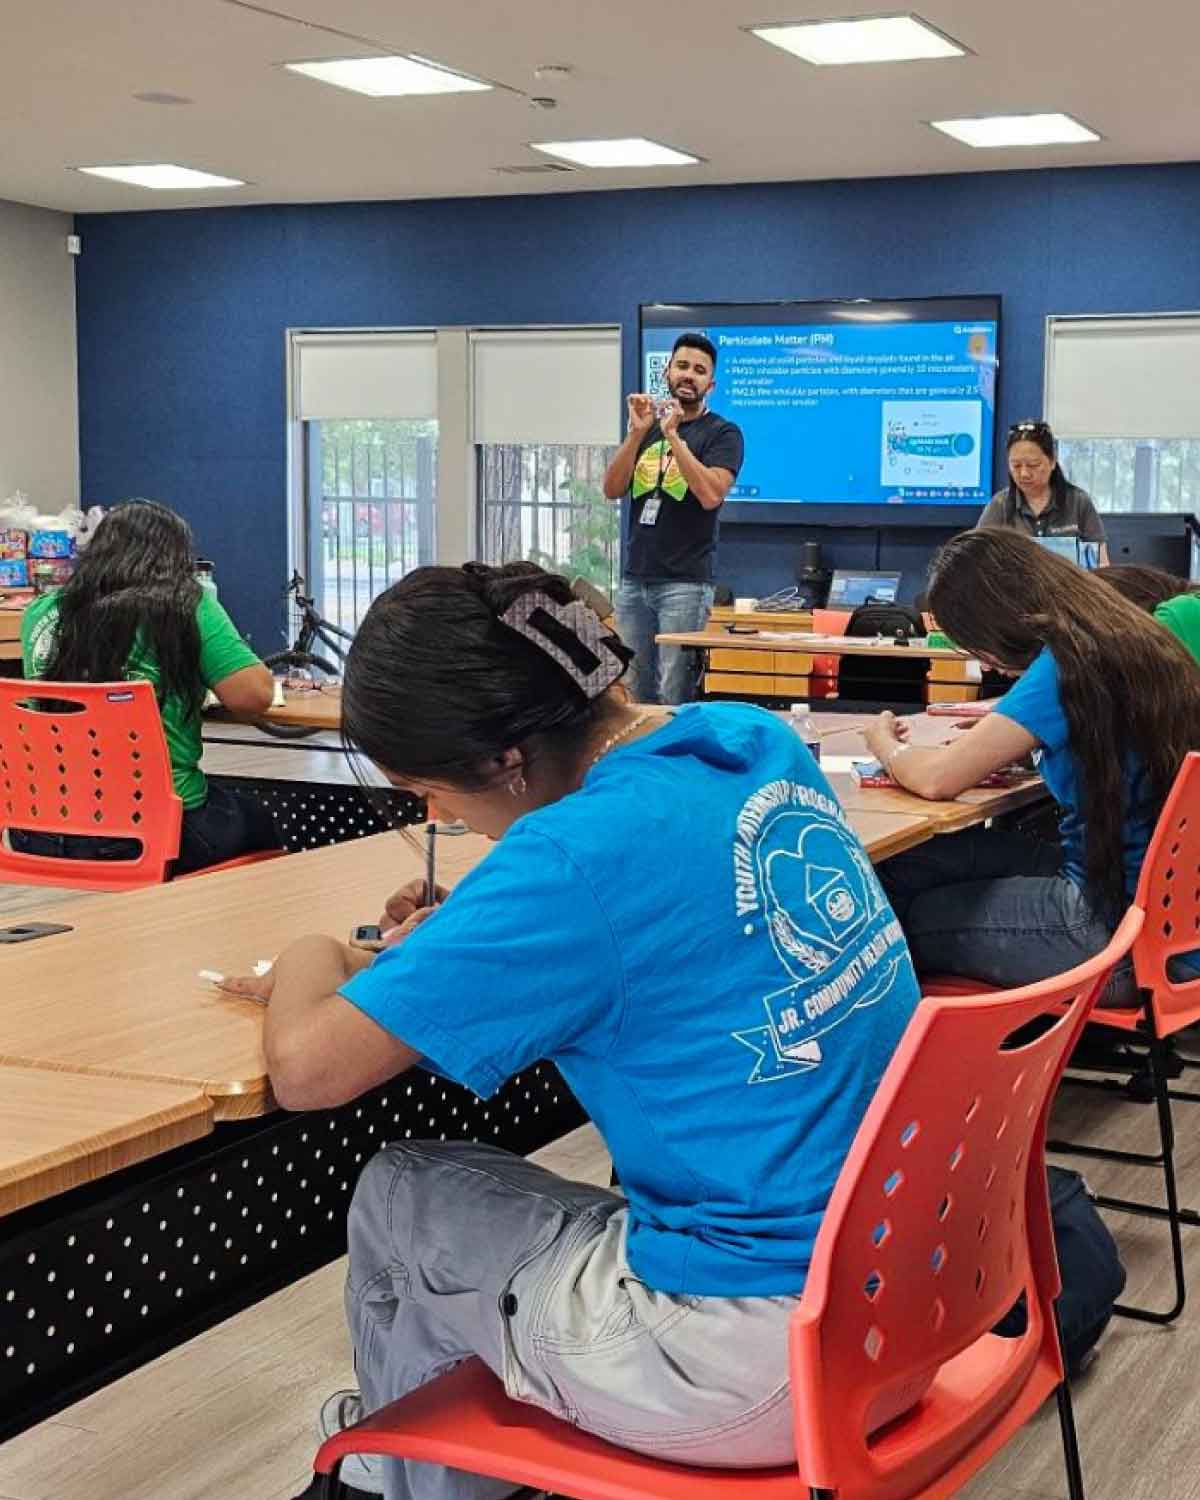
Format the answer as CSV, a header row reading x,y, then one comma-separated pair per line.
x,y
314,631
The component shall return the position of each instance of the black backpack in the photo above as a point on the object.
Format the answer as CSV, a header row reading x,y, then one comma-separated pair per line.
x,y
1088,1263
884,619
883,678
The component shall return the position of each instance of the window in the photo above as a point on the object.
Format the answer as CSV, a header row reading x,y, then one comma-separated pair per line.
x,y
366,405
373,485
1135,474
544,503
1120,395
415,447
545,421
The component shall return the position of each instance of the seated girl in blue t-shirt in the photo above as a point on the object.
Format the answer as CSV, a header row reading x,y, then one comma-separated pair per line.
x,y
677,913
1108,704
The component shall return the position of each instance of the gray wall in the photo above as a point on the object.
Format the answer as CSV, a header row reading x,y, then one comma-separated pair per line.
x,y
39,408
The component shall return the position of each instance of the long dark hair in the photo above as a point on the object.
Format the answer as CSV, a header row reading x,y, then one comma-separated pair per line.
x,y
1126,685
1040,435
135,584
437,687
1144,586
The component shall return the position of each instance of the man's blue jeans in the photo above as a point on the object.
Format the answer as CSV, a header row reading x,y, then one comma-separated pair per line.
x,y
661,674
995,906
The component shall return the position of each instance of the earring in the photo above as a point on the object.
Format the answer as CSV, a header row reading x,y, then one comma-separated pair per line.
x,y
517,786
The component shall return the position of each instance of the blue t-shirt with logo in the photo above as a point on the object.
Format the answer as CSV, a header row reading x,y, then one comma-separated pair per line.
x,y
1034,703
699,942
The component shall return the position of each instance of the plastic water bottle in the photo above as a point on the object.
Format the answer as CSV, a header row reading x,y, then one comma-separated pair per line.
x,y
802,722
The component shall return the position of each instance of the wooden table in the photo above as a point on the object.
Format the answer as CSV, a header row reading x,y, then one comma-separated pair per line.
x,y
172,1245
318,710
265,759
973,806
770,665
120,996
806,644
313,791
137,1008
885,831
58,1130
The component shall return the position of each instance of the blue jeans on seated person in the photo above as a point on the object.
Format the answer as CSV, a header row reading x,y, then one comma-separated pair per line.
x,y
661,674
996,907
225,826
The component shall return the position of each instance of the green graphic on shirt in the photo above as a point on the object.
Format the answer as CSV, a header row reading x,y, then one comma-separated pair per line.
x,y
656,469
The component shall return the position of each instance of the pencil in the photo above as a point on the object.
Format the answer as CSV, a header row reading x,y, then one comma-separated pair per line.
x,y
430,863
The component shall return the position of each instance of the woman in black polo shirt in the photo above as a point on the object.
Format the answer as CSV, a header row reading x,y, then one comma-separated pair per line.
x,y
1040,501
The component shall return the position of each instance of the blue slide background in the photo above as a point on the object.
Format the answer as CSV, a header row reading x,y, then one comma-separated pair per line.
x,y
810,400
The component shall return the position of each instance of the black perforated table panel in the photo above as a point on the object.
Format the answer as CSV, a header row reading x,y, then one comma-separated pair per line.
x,y
311,814
97,1281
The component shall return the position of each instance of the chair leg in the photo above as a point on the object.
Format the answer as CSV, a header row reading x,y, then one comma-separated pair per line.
x,y
1070,1441
1173,1214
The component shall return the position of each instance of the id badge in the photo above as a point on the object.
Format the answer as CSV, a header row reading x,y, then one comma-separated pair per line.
x,y
650,511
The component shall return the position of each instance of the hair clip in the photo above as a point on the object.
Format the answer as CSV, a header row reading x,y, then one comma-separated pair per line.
x,y
572,635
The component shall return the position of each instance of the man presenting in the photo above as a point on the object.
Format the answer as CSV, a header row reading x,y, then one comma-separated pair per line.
x,y
677,464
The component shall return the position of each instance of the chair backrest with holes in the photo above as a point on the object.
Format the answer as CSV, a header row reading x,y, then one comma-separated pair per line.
x,y
1169,893
939,1220
86,758
823,679
831,621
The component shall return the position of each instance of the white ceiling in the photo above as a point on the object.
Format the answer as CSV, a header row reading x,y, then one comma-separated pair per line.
x,y
677,72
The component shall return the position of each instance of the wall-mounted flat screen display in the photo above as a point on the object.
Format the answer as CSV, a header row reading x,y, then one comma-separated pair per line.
x,y
856,402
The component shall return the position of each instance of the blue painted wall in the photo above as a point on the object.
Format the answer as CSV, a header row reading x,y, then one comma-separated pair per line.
x,y
182,314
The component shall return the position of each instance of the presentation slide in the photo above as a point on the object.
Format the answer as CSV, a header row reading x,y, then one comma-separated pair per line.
x,y
854,403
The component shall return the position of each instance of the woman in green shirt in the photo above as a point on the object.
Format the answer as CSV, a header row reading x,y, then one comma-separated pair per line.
x,y
134,609
1172,601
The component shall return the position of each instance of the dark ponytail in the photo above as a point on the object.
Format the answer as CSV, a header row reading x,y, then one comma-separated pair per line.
x,y
438,684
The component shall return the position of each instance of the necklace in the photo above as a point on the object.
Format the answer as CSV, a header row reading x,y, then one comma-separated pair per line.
x,y
615,739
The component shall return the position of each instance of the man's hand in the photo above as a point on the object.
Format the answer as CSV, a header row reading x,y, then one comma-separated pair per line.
x,y
641,413
402,905
670,420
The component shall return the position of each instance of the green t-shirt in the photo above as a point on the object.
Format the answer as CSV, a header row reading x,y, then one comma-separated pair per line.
x,y
1181,616
222,652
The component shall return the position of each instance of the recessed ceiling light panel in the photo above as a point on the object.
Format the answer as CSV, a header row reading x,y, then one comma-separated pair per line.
x,y
162,176
863,39
1017,130
632,151
388,77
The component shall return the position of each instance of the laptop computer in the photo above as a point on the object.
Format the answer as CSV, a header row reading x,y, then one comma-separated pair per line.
x,y
1073,548
848,588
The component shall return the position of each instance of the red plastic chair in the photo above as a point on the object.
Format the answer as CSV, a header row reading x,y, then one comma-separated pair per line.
x,y
1169,893
823,680
1171,901
89,758
940,1219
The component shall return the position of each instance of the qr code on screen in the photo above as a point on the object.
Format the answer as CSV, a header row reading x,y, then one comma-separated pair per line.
x,y
656,374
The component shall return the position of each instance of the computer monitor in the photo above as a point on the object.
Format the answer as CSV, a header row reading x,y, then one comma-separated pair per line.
x,y
850,588
1073,548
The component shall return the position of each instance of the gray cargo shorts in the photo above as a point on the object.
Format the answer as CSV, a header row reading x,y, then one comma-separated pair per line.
x,y
458,1249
